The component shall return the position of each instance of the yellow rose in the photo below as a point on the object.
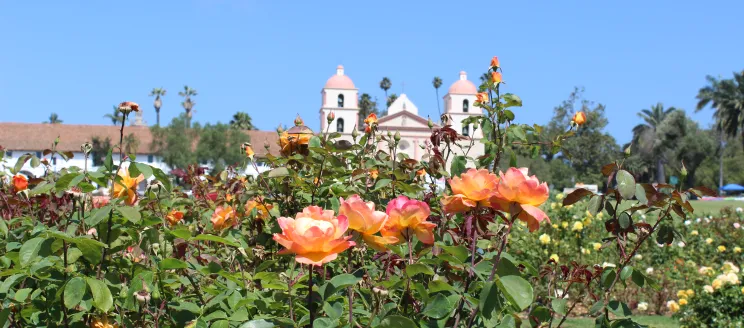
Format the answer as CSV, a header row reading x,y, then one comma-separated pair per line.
x,y
682,294
553,205
717,283
709,241
555,226
673,306
544,239
589,214
690,293
694,232
555,258
737,249
742,290
600,215
597,246
721,248
683,301
577,226
585,251
568,207
587,221
564,225
560,196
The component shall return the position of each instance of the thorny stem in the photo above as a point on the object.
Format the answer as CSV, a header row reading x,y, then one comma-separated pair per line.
x,y
350,290
196,287
310,305
111,213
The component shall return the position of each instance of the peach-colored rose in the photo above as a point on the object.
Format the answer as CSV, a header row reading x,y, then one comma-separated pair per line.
x,y
470,189
516,187
496,77
481,97
579,118
128,106
407,216
364,219
126,187
262,210
315,236
495,62
371,119
174,217
100,201
223,217
374,173
20,182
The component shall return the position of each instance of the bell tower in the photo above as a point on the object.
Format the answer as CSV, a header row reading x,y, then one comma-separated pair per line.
x,y
339,96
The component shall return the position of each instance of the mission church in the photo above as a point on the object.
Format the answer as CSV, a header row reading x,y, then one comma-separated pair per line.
x,y
340,96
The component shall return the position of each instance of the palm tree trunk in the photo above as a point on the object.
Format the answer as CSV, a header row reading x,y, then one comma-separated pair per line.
x,y
660,177
157,120
439,109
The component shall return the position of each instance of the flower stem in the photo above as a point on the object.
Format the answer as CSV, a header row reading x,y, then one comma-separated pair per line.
x,y
310,305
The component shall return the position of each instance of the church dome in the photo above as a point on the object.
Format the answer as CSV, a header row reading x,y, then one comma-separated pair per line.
x,y
339,81
463,86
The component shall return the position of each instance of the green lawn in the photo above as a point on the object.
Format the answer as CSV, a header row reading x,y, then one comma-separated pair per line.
x,y
711,207
651,321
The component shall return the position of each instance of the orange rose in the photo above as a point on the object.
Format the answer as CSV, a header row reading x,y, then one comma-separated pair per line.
x,y
407,216
174,217
371,119
126,187
373,173
496,77
516,187
421,172
128,106
367,129
579,118
20,182
364,219
470,189
223,217
262,210
103,323
295,139
315,236
248,150
495,62
481,97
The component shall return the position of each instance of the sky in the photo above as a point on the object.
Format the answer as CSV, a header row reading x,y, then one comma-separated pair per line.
x,y
272,58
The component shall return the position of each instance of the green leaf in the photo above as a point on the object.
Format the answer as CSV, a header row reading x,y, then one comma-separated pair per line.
x,y
108,163
278,172
489,300
595,205
314,142
22,294
511,100
438,307
624,220
4,228
458,165
90,248
381,183
396,321
344,280
625,184
130,213
4,314
416,268
596,307
170,263
640,194
559,305
101,294
145,169
516,290
539,315
620,309
626,272
162,177
30,250
325,323
20,162
74,292
460,252
220,324
638,278
64,182
41,188
261,323
608,277
333,311
216,239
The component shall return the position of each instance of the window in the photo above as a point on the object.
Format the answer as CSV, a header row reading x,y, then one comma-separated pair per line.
x,y
465,107
466,130
150,158
340,101
38,154
340,125
9,153
54,161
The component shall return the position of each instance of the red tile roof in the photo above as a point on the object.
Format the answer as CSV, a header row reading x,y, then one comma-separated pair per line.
x,y
40,136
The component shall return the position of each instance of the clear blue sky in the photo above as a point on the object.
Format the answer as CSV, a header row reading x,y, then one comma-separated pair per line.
x,y
271,58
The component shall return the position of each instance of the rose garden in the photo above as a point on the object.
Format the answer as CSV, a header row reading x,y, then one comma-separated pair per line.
x,y
344,233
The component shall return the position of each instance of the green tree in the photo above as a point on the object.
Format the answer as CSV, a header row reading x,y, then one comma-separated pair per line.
x,y
437,83
53,119
242,121
726,97
385,85
586,152
390,100
653,138
131,144
174,143
220,146
366,106
100,148
187,103
693,148
157,93
116,116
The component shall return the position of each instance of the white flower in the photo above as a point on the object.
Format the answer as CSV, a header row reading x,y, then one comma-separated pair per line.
x,y
707,220
737,225
708,289
638,257
738,210
559,293
698,220
688,222
608,265
660,245
681,244
649,270
729,266
643,306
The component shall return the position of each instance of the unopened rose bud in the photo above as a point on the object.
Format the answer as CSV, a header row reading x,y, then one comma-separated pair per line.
x,y
389,134
396,137
495,62
86,148
279,129
579,118
355,132
496,77
430,123
298,121
128,107
627,151
683,171
266,144
378,138
331,116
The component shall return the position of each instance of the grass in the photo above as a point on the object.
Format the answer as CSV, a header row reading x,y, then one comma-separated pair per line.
x,y
651,321
710,207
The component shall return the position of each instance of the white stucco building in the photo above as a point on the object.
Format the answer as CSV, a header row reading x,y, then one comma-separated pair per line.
x,y
339,95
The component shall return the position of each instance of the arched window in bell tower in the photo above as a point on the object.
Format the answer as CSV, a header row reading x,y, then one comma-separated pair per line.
x,y
340,125
340,101
466,130
465,106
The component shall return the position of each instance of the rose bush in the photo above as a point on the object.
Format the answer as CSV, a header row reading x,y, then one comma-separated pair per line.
x,y
307,243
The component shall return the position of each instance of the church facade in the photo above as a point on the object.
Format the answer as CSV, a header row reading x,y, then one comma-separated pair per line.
x,y
340,96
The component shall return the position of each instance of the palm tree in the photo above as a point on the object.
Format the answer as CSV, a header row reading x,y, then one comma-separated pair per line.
x,y
366,106
385,85
726,97
157,92
242,121
653,137
393,97
116,117
485,78
187,103
53,119
437,82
